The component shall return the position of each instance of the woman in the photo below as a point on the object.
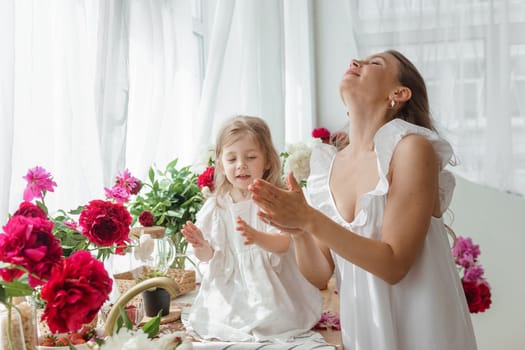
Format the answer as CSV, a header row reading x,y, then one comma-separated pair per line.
x,y
375,216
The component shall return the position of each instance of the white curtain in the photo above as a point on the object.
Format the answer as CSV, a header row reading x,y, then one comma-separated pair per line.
x,y
260,62
88,87
472,55
48,97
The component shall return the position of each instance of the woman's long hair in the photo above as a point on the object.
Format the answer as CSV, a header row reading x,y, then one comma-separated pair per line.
x,y
416,110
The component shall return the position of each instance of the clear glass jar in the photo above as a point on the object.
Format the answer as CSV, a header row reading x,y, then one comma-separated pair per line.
x,y
152,248
11,329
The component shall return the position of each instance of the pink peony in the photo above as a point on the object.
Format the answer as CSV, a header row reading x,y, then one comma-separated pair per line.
x,y
473,273
29,242
75,293
38,181
129,182
119,193
328,321
30,210
465,251
105,223
71,224
206,178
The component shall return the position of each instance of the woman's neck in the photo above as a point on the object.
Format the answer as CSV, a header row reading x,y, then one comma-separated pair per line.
x,y
363,126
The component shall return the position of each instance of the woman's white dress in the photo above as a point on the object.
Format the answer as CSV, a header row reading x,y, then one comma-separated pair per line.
x,y
248,294
427,309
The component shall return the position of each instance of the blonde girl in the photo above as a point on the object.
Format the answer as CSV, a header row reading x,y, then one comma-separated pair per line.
x,y
252,290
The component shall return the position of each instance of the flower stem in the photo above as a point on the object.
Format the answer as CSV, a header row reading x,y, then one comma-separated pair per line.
x,y
9,325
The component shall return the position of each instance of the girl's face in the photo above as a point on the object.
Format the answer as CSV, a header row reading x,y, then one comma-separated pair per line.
x,y
243,162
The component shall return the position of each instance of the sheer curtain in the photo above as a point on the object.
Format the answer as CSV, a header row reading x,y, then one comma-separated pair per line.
x,y
49,105
259,63
472,55
164,80
89,87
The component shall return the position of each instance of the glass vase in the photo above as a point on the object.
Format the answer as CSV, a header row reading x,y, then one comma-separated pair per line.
x,y
11,329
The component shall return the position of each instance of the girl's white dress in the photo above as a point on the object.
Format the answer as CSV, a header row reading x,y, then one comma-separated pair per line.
x,y
427,309
248,294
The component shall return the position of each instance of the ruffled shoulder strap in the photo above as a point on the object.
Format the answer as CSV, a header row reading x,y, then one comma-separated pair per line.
x,y
320,162
208,220
389,135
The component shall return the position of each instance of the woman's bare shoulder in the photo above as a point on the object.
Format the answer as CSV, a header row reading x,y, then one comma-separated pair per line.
x,y
414,152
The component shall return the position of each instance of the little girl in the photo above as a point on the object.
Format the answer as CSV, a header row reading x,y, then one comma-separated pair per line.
x,y
253,289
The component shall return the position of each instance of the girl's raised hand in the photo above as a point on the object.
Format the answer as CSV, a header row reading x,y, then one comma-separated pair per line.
x,y
193,235
248,232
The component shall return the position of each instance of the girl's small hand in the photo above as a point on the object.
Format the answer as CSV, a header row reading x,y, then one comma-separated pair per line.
x,y
193,235
248,232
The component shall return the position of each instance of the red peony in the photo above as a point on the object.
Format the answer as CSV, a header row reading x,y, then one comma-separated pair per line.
x,y
9,275
478,296
206,178
105,223
29,242
30,210
146,218
485,297
321,133
75,293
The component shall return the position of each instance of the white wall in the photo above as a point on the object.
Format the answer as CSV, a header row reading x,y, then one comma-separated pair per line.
x,y
494,220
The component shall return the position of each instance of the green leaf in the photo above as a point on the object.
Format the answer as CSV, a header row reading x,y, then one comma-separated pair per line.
x,y
151,175
78,210
124,318
152,327
17,288
3,295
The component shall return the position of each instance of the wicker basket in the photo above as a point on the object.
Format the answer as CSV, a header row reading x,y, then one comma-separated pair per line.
x,y
184,278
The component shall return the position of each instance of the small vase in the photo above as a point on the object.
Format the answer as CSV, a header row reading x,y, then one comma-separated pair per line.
x,y
11,329
156,300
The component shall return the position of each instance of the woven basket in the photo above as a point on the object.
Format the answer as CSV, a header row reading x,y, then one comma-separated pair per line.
x,y
184,278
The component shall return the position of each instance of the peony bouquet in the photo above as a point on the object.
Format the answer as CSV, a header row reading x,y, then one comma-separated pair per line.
x,y
51,257
476,287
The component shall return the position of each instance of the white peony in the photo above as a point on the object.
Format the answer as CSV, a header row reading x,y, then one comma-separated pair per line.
x,y
297,159
126,339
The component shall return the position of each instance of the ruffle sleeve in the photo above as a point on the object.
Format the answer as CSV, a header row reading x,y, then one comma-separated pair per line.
x,y
208,220
389,135
320,163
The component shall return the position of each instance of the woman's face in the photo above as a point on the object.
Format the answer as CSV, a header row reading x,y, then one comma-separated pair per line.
x,y
372,79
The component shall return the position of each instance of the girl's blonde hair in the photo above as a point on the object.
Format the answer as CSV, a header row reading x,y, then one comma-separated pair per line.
x,y
231,131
